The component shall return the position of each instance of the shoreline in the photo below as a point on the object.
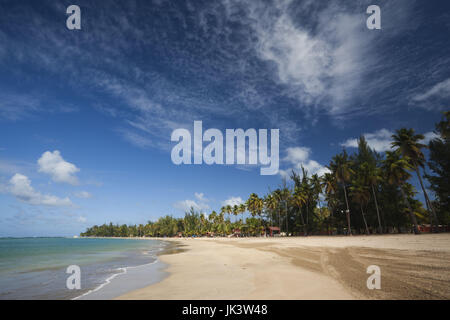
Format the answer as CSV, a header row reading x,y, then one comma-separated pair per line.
x,y
315,267
132,276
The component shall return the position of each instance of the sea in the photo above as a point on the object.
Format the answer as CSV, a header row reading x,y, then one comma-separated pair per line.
x,y
37,268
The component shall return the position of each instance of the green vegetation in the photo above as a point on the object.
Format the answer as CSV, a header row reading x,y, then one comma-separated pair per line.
x,y
365,192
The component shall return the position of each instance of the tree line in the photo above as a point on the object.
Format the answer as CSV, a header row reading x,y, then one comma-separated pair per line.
x,y
363,193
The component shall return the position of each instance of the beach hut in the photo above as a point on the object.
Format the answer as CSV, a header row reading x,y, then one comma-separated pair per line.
x,y
237,232
274,231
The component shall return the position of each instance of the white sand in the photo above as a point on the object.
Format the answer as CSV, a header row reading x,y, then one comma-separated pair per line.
x,y
305,268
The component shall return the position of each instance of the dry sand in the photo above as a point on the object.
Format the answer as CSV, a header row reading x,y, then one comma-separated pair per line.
x,y
412,267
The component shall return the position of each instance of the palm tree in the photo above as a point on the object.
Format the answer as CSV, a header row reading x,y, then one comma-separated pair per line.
x,y
408,143
285,196
341,167
299,200
373,178
360,194
396,170
329,185
236,212
444,126
242,209
316,187
229,210
255,206
277,194
271,204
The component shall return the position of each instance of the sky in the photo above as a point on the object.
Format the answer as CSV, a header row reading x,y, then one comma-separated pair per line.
x,y
86,115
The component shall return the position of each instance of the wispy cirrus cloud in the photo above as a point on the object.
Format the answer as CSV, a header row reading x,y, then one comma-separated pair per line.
x,y
232,63
437,97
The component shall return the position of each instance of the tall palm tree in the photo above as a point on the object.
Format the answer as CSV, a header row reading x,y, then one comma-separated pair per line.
x,y
242,209
341,167
299,200
409,145
444,126
396,170
285,196
316,187
255,206
236,212
360,194
271,204
329,185
229,210
373,178
278,196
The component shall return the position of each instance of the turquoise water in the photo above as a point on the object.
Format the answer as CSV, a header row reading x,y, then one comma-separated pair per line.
x,y
35,268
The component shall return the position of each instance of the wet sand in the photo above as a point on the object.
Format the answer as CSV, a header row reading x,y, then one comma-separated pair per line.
x,y
412,267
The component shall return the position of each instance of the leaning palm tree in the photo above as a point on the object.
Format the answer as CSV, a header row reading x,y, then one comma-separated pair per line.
x,y
396,170
408,143
341,167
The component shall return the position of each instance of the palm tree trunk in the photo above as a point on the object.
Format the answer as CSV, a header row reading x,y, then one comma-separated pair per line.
x,y
364,218
411,213
428,202
347,213
279,217
378,211
260,225
287,223
303,222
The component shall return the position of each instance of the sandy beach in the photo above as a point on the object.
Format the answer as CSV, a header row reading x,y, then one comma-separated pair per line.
x,y
412,267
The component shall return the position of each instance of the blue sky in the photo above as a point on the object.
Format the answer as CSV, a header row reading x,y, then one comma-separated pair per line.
x,y
86,115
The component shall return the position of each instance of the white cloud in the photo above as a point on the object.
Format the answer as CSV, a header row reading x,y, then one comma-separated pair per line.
x,y
20,187
198,205
83,195
200,197
81,219
298,157
186,205
297,154
429,136
60,170
381,140
233,201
